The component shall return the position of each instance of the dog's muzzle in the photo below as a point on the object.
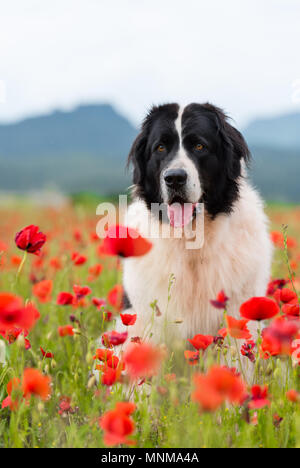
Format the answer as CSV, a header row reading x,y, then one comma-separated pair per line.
x,y
175,179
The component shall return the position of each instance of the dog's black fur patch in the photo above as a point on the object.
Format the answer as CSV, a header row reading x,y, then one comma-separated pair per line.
x,y
126,301
219,165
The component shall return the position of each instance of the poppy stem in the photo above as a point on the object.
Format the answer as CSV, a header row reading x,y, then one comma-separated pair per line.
x,y
21,266
239,359
258,343
287,260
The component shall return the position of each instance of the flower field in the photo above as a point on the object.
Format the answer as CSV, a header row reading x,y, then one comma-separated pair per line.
x,y
61,385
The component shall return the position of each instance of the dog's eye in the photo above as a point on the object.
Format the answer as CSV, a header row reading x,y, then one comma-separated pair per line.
x,y
199,147
161,148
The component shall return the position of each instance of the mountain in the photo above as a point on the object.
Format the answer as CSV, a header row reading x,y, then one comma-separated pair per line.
x,y
278,132
275,147
86,149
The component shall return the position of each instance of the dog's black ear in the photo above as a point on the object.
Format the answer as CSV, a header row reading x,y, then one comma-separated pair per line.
x,y
136,155
236,142
233,140
138,150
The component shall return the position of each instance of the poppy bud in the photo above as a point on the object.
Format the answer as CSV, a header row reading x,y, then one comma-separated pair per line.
x,y
91,382
40,406
277,373
89,358
2,352
21,341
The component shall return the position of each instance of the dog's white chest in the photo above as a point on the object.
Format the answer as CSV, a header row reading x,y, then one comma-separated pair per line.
x,y
236,257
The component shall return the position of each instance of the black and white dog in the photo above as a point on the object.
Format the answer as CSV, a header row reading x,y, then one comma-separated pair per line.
x,y
182,157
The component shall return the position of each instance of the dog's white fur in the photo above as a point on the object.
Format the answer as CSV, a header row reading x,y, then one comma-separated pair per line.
x,y
235,257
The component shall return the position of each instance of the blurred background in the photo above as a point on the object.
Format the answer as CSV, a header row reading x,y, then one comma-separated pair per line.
x,y
78,76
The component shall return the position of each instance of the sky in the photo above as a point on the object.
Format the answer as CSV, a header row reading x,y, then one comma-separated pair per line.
x,y
242,55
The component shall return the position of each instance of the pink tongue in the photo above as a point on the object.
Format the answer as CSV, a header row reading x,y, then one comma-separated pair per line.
x,y
180,215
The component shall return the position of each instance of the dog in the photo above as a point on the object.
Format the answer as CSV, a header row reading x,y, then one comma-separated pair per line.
x,y
193,156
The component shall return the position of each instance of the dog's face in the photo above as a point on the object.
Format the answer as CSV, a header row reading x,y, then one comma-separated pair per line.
x,y
187,156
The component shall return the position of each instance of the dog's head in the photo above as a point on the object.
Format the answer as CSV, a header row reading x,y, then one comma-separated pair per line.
x,y
187,156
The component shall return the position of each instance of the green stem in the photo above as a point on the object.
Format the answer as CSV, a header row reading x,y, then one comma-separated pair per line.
x,y
239,359
284,228
21,266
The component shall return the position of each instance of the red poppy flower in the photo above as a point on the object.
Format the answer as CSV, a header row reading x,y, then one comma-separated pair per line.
x,y
43,290
39,261
99,302
222,332
30,239
291,309
278,240
112,362
247,350
78,259
65,406
293,396
221,301
142,360
259,308
109,376
13,385
259,397
103,354
218,385
136,339
106,356
66,330
65,298
208,398
201,341
237,328
15,260
128,319
46,354
285,295
12,334
118,425
55,263
114,338
126,407
115,297
94,236
277,339
35,383
107,316
125,242
81,291
274,285
95,271
77,234
14,314
192,357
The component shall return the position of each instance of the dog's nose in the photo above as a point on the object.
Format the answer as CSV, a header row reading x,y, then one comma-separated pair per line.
x,y
175,178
